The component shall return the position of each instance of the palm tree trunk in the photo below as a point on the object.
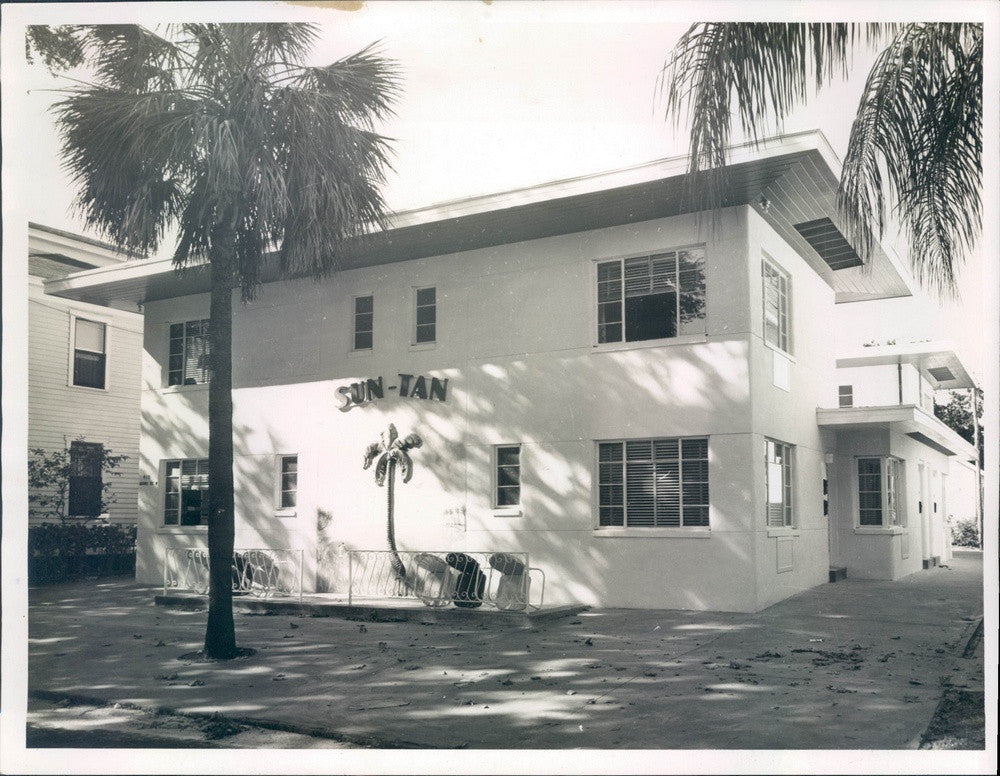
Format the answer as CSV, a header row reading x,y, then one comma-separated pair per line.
x,y
220,633
390,529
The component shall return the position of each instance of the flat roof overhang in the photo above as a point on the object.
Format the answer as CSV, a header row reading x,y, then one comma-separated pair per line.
x,y
903,418
936,361
787,181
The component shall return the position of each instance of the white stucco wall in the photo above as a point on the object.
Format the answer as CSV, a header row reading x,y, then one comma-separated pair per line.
x,y
516,341
890,552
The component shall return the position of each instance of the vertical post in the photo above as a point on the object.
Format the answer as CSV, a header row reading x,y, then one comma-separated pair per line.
x,y
979,470
166,563
350,577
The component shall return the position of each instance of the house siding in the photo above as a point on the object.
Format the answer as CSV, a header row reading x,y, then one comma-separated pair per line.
x,y
59,412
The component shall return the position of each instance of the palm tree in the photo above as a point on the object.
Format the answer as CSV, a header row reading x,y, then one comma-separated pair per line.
x,y
917,135
220,130
392,451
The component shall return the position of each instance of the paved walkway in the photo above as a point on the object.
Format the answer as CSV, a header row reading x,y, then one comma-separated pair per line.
x,y
852,665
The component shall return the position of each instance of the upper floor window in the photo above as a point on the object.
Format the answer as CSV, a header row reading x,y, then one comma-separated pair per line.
x,y
508,476
648,483
778,484
776,304
288,485
878,492
364,322
426,330
845,396
186,493
189,353
89,353
651,297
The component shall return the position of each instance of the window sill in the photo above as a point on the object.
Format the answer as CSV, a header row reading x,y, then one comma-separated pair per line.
x,y
89,387
683,339
781,532
184,388
288,512
785,354
507,512
652,533
181,529
418,346
891,530
360,353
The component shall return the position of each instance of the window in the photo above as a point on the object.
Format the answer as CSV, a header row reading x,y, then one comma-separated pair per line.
x,y
426,315
845,395
189,353
186,495
776,298
778,484
651,297
878,492
288,484
653,483
508,476
89,353
85,483
364,322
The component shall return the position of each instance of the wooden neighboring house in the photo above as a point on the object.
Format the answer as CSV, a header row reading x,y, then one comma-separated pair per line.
x,y
83,376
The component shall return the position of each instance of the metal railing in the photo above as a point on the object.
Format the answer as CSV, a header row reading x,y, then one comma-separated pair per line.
x,y
263,573
504,580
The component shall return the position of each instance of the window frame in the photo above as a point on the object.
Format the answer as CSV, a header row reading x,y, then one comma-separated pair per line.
x,y
845,398
787,464
785,343
354,323
622,342
185,337
95,452
513,509
891,491
700,528
416,342
73,318
165,478
281,509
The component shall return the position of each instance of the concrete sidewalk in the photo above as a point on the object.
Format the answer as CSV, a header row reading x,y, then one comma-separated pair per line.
x,y
852,665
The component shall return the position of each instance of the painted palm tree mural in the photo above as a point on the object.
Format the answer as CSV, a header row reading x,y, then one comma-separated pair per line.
x,y
391,451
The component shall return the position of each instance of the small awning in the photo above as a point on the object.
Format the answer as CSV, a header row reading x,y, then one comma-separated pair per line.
x,y
938,362
902,418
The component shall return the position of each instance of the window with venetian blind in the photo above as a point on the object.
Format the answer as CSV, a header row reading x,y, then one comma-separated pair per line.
x,y
653,483
776,307
189,353
186,492
778,484
651,297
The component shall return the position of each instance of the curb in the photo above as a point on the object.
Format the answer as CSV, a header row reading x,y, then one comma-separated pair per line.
x,y
371,613
367,742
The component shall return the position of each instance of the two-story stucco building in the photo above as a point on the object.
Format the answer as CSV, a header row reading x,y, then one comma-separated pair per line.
x,y
83,377
644,398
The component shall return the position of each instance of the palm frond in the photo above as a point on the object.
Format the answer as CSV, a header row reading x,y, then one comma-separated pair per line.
x,y
917,139
753,73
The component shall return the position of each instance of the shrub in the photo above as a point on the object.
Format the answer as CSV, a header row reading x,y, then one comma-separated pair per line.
x,y
965,533
50,540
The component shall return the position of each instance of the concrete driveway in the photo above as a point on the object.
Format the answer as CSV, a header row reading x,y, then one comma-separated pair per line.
x,y
851,665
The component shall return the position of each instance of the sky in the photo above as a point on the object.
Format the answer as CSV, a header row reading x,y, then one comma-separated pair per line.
x,y
502,95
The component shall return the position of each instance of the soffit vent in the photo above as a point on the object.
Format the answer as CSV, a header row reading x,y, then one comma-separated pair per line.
x,y
829,243
941,373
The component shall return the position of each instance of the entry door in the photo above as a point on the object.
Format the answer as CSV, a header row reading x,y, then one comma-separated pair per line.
x,y
85,479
